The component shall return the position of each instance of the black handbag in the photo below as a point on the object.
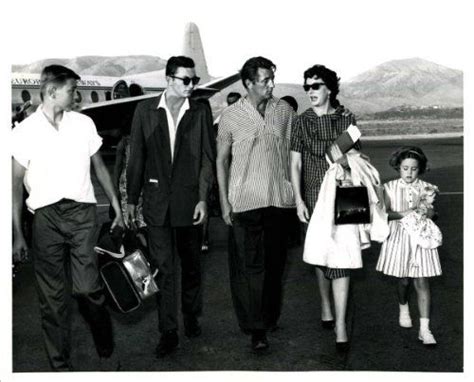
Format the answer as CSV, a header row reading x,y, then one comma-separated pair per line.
x,y
352,205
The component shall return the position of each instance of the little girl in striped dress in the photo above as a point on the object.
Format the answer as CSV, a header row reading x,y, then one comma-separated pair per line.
x,y
400,255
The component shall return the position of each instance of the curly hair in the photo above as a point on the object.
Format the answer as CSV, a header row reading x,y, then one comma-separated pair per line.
x,y
330,79
412,152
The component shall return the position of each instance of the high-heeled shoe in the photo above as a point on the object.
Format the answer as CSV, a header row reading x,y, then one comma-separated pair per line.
x,y
328,324
342,347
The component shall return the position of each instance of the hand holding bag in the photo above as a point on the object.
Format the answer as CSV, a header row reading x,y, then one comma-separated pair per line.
x,y
352,205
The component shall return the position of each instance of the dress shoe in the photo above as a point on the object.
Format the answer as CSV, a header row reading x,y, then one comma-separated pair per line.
x,y
168,343
328,324
111,363
342,347
427,337
192,329
259,341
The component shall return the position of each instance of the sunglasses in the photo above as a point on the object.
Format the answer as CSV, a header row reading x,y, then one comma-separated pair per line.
x,y
188,80
314,86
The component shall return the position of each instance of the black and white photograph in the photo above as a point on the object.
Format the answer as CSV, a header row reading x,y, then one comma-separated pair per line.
x,y
238,189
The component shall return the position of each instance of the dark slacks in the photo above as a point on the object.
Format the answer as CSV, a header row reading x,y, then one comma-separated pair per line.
x,y
257,258
63,240
164,242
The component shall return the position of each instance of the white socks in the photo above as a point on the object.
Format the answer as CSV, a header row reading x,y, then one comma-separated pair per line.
x,y
424,324
404,319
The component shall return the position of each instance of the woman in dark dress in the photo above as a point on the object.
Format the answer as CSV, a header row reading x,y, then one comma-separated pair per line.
x,y
313,131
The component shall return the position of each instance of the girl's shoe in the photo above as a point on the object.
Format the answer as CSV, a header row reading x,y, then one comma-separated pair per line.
x,y
405,320
426,337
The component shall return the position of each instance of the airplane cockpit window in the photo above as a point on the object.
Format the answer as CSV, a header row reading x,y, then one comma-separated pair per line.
x,y
94,96
25,95
108,96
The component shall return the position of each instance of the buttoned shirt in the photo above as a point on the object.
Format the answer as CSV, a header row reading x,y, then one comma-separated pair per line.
x,y
259,169
171,126
57,161
311,135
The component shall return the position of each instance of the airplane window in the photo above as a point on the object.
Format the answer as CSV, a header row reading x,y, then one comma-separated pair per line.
x,y
94,96
108,96
25,95
78,96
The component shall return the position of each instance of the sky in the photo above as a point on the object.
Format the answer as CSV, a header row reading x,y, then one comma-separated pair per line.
x,y
347,36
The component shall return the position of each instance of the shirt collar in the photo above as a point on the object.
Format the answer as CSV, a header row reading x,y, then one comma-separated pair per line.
x,y
162,104
413,185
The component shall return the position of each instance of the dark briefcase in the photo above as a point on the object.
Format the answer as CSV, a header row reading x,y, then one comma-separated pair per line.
x,y
352,205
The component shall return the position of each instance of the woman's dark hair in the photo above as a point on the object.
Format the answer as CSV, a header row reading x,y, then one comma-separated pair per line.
x,y
412,152
329,77
250,69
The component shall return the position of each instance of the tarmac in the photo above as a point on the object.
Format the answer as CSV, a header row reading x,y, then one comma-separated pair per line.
x,y
377,342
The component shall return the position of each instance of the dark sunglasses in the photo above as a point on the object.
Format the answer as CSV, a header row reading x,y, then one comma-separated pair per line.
x,y
314,86
188,80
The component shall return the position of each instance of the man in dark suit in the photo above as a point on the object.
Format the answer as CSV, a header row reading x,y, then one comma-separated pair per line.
x,y
171,159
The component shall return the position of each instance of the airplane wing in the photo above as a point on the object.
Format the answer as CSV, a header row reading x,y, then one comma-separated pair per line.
x,y
111,117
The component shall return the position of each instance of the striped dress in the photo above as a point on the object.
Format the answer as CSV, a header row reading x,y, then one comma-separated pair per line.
x,y
396,255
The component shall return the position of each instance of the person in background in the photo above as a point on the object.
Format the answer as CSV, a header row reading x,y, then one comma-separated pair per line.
x,y
214,207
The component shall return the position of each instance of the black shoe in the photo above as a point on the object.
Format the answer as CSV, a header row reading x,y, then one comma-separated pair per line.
x,y
111,363
259,341
329,324
273,327
192,329
342,347
168,343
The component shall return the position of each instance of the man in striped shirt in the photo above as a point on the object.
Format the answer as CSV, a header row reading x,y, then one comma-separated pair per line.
x,y
256,197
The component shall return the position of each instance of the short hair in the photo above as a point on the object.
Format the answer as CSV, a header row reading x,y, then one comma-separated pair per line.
x,y
56,74
176,62
250,69
292,101
412,152
233,97
330,79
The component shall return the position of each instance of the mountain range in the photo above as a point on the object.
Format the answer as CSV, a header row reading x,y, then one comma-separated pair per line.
x,y
409,82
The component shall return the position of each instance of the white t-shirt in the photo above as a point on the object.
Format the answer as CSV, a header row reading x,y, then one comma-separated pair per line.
x,y
58,161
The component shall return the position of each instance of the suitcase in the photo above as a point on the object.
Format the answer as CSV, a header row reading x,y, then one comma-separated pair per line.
x,y
129,281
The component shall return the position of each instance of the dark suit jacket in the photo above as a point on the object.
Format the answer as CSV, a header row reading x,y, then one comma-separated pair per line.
x,y
176,185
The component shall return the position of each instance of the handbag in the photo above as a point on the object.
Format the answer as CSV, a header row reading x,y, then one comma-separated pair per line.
x,y
129,281
352,205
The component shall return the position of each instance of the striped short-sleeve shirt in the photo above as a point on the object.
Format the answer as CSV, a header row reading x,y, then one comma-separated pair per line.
x,y
259,173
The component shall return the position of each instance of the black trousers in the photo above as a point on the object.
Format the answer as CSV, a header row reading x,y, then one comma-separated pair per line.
x,y
257,258
63,239
164,242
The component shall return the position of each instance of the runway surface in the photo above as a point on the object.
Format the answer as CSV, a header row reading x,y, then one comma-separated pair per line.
x,y
377,342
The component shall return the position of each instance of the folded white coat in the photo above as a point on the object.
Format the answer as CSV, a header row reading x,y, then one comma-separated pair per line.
x,y
340,246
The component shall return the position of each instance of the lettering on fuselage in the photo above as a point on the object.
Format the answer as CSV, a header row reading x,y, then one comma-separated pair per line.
x,y
37,82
